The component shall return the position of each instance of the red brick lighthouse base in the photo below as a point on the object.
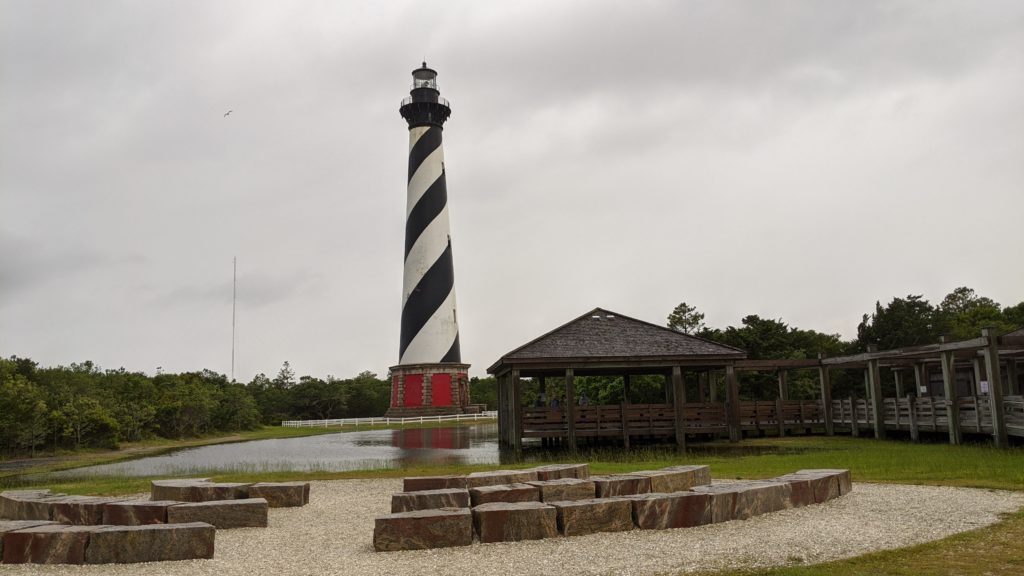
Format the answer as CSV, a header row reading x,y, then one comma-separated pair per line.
x,y
430,390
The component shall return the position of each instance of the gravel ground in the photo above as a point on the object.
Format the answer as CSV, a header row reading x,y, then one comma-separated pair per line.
x,y
333,535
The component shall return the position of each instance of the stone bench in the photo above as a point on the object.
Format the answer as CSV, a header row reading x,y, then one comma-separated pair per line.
x,y
198,490
621,485
564,489
510,522
659,511
80,510
281,494
244,513
28,504
743,500
137,512
12,525
676,478
557,471
478,479
520,492
429,500
594,515
422,529
47,544
151,543
420,483
817,486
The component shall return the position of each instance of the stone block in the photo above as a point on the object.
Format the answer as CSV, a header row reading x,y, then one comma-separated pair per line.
x,y
423,529
281,494
215,491
12,525
564,489
510,522
742,500
80,510
621,485
676,478
420,483
137,512
658,511
181,490
594,515
10,502
151,543
47,544
245,513
520,492
478,479
842,477
429,500
556,471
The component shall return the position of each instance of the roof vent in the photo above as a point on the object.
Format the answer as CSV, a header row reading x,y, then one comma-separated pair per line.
x,y
596,316
610,317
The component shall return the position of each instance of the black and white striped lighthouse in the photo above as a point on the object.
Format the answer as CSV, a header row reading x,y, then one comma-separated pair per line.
x,y
430,376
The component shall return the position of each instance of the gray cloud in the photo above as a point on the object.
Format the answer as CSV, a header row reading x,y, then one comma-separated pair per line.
x,y
793,159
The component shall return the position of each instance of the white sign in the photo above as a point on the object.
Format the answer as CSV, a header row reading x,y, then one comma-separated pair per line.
x,y
983,385
924,389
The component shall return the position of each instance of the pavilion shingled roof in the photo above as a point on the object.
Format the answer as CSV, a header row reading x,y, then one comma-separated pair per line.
x,y
601,333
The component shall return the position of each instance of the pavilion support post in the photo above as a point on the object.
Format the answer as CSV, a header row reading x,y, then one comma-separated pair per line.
x,y
517,405
679,406
732,398
570,407
952,401
867,382
914,433
625,425
779,417
502,416
897,376
918,379
783,384
978,376
625,388
825,381
854,428
1013,385
667,385
995,387
712,386
877,405
542,386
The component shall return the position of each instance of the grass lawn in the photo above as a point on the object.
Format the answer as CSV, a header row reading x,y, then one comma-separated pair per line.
x,y
998,549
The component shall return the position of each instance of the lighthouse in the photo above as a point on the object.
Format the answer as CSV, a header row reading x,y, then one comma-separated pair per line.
x,y
430,377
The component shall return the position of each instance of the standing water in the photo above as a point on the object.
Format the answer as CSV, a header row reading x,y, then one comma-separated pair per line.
x,y
371,449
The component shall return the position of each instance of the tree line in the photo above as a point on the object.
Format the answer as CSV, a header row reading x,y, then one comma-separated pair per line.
x,y
81,405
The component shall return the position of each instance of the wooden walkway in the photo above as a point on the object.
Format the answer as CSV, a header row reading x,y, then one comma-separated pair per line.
x,y
778,417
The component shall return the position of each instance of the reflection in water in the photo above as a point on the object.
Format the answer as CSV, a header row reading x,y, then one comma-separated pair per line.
x,y
372,449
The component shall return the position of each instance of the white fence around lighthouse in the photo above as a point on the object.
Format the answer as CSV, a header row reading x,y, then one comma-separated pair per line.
x,y
385,421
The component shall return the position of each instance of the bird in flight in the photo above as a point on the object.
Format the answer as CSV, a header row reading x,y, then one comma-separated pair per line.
x,y
227,113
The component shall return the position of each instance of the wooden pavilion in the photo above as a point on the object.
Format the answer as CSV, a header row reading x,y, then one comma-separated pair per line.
x,y
972,386
602,342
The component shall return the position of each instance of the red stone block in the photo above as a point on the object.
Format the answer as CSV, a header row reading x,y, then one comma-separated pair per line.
x,y
676,478
510,522
80,510
47,544
423,529
420,483
564,489
137,512
594,515
675,510
478,479
504,493
429,500
621,485
556,471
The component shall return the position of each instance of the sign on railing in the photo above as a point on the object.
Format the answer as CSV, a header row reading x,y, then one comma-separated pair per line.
x,y
342,422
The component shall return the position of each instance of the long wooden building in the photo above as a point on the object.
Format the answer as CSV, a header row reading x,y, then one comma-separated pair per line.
x,y
606,343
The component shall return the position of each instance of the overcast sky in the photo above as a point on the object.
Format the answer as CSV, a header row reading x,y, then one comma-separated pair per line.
x,y
796,160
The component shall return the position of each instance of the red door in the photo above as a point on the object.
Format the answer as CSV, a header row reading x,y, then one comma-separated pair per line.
x,y
441,390
414,389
